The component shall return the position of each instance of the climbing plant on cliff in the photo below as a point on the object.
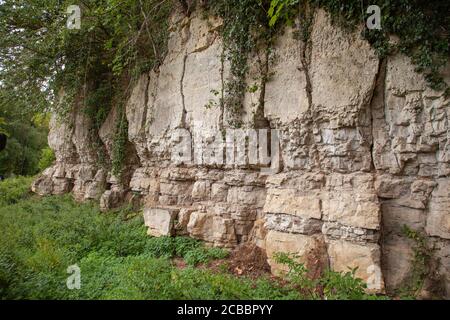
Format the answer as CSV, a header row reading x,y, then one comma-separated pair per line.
x,y
422,28
120,143
244,29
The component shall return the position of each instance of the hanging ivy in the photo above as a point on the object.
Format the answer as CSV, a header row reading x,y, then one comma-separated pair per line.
x,y
244,25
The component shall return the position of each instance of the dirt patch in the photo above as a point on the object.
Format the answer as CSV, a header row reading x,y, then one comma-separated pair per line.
x,y
248,260
179,263
245,260
317,261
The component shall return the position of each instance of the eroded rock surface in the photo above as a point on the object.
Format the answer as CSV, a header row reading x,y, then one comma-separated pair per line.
x,y
364,148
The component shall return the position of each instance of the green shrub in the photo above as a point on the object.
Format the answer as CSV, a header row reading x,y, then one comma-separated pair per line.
x,y
204,255
343,286
331,285
193,251
184,245
160,247
14,189
47,158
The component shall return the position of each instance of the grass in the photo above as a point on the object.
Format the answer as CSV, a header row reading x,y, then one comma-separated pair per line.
x,y
41,237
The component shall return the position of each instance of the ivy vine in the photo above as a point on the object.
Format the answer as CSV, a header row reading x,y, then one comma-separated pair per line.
x,y
244,29
120,143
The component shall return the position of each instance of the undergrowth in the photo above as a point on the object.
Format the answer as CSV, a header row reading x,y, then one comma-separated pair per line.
x,y
331,285
13,190
41,237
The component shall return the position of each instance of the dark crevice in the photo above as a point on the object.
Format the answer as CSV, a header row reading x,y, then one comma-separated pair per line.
x,y
377,101
222,90
184,112
378,96
146,99
305,67
259,119
306,18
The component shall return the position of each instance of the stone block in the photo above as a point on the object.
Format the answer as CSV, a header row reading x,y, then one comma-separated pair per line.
x,y
201,190
293,224
345,255
352,209
304,247
438,219
211,228
288,201
160,222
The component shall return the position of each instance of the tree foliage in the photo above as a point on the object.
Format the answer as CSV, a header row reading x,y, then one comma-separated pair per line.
x,y
2,127
39,55
46,66
26,138
47,158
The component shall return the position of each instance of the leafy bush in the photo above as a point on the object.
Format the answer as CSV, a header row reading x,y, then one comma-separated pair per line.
x,y
47,158
2,123
22,152
146,277
343,286
204,255
193,251
331,285
14,189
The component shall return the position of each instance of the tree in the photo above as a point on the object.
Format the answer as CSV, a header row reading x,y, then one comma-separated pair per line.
x,y
26,139
40,56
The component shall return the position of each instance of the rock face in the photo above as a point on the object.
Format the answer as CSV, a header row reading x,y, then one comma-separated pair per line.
x,y
364,149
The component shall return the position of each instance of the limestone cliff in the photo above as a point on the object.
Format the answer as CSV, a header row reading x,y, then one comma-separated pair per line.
x,y
364,143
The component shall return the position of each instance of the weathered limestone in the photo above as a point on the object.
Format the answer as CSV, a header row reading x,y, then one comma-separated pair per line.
x,y
288,201
438,218
335,230
60,140
160,222
289,76
398,255
304,248
211,228
364,150
345,256
293,224
358,210
136,112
